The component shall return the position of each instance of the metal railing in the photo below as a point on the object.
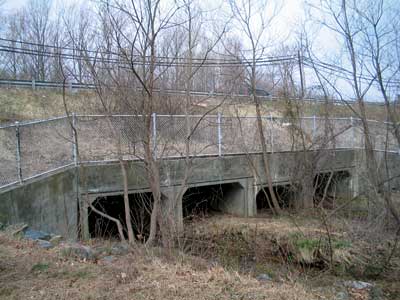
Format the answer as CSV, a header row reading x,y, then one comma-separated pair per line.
x,y
34,148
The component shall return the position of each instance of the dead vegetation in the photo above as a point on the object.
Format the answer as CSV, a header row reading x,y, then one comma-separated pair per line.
x,y
220,257
28,272
26,104
301,248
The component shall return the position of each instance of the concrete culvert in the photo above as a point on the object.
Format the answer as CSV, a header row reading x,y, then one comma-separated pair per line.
x,y
284,194
330,185
140,205
204,200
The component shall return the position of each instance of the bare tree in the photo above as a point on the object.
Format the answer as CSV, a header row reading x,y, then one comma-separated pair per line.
x,y
77,23
379,23
346,20
131,31
38,30
254,21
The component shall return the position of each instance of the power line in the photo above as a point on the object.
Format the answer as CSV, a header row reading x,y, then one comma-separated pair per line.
x,y
164,61
124,61
342,71
216,61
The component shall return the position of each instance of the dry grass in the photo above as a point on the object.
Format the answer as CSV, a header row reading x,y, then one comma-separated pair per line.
x,y
277,246
25,103
279,108
27,272
284,225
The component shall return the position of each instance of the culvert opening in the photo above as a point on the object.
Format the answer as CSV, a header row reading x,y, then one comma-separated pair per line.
x,y
284,195
140,206
326,185
203,201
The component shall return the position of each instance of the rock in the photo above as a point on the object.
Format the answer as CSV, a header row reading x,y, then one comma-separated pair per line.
x,y
108,259
120,249
101,251
342,296
44,244
20,229
365,288
264,277
55,240
358,285
36,235
78,251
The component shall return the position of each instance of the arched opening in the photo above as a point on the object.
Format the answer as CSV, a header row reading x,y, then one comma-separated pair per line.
x,y
284,194
140,206
201,201
329,186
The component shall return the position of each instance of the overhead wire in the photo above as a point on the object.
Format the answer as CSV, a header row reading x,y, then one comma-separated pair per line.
x,y
341,72
181,60
126,61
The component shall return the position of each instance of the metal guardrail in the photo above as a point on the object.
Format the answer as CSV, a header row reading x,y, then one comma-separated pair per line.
x,y
44,84
34,148
88,86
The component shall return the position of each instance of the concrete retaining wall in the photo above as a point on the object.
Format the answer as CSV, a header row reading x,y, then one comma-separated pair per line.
x,y
47,204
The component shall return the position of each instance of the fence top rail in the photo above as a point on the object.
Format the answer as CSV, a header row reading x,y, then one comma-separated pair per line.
x,y
269,117
134,115
31,122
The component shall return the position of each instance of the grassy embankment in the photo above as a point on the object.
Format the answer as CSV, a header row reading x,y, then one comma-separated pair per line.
x,y
26,104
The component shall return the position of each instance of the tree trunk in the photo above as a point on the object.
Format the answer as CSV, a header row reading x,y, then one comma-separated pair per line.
x,y
276,208
131,237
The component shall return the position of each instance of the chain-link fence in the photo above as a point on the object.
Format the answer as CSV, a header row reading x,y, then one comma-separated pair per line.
x,y
102,138
34,148
45,146
8,161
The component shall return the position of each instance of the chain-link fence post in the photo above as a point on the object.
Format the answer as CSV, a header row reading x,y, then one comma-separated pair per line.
x,y
154,134
74,140
219,120
271,133
352,132
314,130
18,157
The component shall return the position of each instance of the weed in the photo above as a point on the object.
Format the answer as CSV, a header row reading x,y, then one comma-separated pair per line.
x,y
307,244
341,244
40,267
